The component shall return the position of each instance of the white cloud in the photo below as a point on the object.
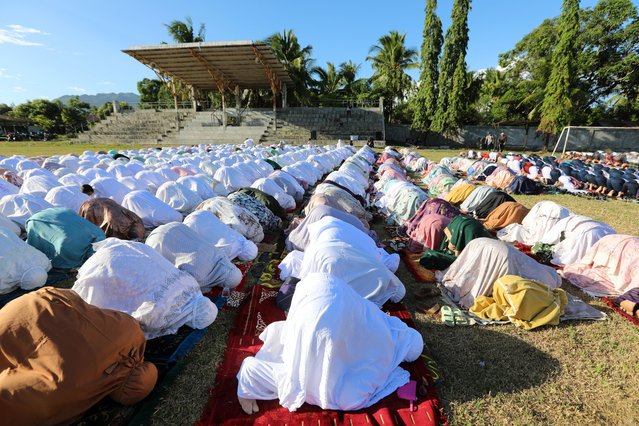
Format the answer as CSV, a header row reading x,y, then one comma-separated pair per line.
x,y
20,29
5,74
17,34
19,89
77,89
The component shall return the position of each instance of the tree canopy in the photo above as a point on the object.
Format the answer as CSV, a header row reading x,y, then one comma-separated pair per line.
x,y
390,59
605,77
452,72
183,32
426,99
557,106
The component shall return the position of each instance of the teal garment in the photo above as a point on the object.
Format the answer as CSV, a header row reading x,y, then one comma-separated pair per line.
x,y
273,164
63,236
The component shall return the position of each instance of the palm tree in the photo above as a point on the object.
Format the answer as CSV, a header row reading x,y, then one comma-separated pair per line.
x,y
297,61
390,61
182,32
329,81
348,71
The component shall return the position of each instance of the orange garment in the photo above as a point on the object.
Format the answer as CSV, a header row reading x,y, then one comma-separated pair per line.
x,y
59,356
112,218
505,214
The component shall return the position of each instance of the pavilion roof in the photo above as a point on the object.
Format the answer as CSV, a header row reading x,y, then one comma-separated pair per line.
x,y
215,65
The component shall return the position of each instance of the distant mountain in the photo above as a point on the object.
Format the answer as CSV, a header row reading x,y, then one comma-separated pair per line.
x,y
102,98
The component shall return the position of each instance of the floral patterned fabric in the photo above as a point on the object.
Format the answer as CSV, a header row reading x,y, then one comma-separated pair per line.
x,y
267,219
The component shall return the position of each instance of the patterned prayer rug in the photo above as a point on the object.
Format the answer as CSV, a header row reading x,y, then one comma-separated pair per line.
x,y
260,310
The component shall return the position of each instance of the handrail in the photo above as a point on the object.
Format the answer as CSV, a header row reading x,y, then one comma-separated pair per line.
x,y
168,105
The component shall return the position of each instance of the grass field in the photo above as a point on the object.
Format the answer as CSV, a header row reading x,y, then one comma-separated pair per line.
x,y
34,149
575,373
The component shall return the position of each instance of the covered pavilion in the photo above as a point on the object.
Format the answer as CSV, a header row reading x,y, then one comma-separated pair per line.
x,y
222,66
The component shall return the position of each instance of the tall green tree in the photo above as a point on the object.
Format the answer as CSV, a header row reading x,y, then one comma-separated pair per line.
x,y
452,73
348,71
183,32
426,100
43,113
557,108
5,109
74,114
149,89
390,59
329,82
607,65
297,61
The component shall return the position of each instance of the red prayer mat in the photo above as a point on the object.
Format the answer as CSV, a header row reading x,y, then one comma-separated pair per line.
x,y
612,302
237,293
259,310
526,249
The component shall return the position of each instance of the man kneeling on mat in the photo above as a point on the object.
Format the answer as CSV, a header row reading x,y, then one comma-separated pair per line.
x,y
336,350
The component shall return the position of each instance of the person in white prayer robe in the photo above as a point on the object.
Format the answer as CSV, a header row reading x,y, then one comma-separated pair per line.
x,y
232,243
132,277
340,249
191,253
335,350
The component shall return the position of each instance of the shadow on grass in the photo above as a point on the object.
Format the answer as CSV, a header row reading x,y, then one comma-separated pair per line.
x,y
481,361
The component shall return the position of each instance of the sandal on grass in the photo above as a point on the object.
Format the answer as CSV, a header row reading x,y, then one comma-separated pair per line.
x,y
459,317
447,316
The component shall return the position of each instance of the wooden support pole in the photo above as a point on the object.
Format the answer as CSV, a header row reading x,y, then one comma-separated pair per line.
x,y
223,109
238,98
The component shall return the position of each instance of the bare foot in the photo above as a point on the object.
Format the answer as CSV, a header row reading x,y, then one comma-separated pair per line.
x,y
629,307
248,405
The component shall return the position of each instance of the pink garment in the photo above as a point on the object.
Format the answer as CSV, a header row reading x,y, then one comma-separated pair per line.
x,y
429,233
500,178
382,159
431,206
393,174
609,268
182,171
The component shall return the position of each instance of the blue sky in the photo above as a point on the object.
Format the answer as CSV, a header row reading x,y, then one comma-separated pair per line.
x,y
50,48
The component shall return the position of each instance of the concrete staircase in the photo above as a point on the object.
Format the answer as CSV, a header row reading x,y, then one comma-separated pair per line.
x,y
293,125
296,125
139,126
206,128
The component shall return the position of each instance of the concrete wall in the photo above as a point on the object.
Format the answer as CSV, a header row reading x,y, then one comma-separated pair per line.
x,y
586,139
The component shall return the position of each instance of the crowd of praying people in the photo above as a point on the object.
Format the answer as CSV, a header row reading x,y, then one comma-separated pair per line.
x,y
187,216
466,226
596,174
